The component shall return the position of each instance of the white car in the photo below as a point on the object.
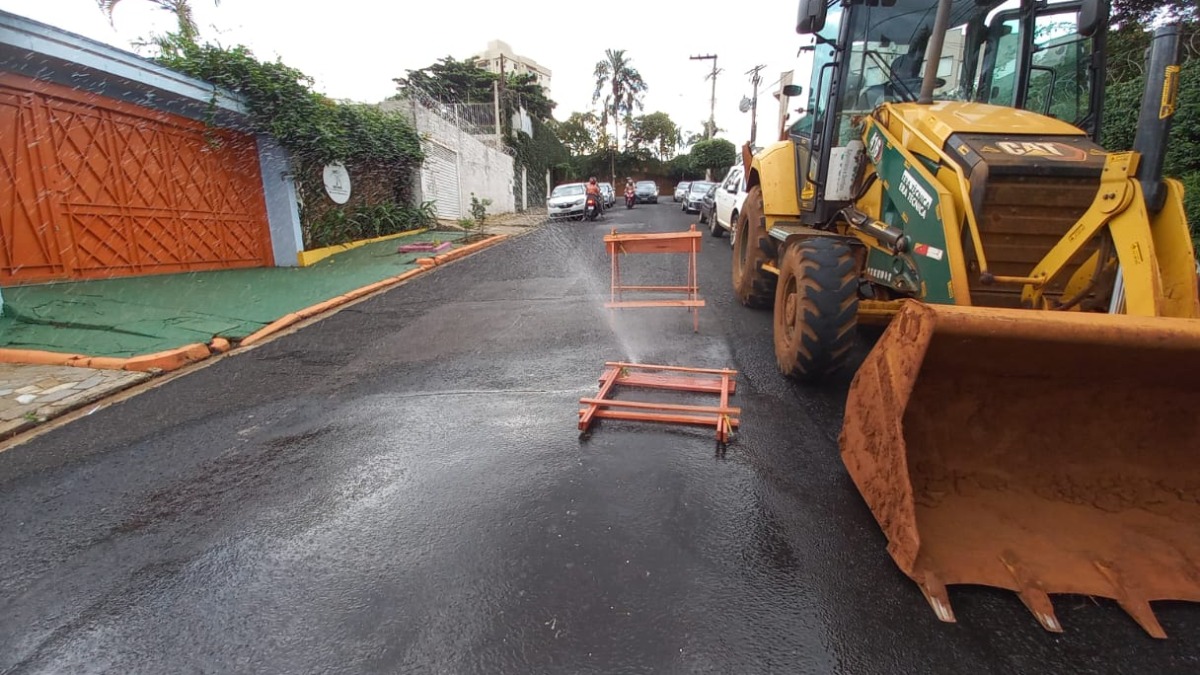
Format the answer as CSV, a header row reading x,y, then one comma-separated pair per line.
x,y
566,201
730,196
681,190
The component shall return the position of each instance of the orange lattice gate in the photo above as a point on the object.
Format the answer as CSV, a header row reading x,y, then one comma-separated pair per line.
x,y
91,187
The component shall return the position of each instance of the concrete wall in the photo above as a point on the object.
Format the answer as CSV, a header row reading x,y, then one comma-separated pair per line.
x,y
488,173
482,169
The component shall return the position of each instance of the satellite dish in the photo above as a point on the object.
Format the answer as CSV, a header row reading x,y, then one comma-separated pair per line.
x,y
744,106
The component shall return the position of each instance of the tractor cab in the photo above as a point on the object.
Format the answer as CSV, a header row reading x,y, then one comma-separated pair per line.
x,y
1037,55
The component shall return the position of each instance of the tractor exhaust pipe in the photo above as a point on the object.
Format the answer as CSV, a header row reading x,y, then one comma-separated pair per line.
x,y
933,52
1158,109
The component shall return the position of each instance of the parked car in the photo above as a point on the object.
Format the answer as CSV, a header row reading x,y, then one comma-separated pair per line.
x,y
566,201
681,190
695,194
610,195
708,204
646,192
729,198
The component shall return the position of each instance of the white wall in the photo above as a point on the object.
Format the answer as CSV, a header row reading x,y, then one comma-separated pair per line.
x,y
488,173
482,169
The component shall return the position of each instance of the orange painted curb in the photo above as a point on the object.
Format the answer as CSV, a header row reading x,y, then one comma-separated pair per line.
x,y
457,253
165,361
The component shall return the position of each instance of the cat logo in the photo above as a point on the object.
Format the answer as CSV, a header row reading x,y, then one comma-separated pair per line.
x,y
1047,149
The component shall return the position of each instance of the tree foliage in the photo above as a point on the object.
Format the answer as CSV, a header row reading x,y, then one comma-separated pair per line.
x,y
713,154
452,81
182,10
655,132
579,133
1142,12
525,92
1123,98
621,88
282,104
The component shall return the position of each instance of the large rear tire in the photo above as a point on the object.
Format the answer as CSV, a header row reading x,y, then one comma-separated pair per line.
x,y
754,286
816,309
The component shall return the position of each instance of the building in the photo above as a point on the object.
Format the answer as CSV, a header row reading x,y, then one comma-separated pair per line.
x,y
499,57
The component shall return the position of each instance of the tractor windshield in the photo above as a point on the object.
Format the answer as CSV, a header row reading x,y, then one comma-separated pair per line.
x,y
887,51
980,59
1015,53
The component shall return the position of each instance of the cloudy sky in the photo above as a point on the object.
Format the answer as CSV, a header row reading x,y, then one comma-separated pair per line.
x,y
353,48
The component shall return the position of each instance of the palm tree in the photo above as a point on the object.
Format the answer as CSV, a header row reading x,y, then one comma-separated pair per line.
x,y
622,87
182,10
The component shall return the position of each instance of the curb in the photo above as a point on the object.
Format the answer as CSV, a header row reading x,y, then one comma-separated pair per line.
x,y
319,308
311,311
307,258
158,361
174,359
429,263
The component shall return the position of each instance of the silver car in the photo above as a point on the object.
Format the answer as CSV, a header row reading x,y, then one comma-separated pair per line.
x,y
694,197
566,201
610,195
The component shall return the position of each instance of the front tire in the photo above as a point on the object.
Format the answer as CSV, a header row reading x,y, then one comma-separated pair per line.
x,y
714,228
816,309
753,286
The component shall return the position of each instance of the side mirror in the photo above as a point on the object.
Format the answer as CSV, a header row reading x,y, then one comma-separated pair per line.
x,y
792,90
811,17
1092,15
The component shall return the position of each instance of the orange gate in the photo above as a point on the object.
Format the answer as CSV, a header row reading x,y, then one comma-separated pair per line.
x,y
92,187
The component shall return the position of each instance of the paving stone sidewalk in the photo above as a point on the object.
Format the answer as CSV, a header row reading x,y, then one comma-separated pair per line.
x,y
30,394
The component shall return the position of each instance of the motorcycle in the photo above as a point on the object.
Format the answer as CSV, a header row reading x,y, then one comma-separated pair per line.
x,y
629,199
591,208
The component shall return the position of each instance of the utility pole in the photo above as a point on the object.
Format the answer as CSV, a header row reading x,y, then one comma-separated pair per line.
x,y
755,79
499,97
712,104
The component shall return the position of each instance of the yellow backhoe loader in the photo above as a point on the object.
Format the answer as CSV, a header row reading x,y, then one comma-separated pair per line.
x,y
1030,418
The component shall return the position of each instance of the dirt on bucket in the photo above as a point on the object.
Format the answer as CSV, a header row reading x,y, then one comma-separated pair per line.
x,y
1039,452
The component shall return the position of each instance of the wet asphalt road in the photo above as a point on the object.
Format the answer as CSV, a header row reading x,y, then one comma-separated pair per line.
x,y
401,488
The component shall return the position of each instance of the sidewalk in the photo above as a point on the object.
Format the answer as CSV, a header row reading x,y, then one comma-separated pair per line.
x,y
32,394
141,315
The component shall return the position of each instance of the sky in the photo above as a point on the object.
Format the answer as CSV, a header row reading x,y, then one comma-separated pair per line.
x,y
353,48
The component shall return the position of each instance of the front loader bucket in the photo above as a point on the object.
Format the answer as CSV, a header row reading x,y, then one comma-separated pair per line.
x,y
1042,452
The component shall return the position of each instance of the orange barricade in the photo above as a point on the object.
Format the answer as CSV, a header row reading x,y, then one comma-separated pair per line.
x,y
662,242
671,378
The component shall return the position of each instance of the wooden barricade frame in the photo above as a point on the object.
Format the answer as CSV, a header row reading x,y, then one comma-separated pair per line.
x,y
722,417
687,242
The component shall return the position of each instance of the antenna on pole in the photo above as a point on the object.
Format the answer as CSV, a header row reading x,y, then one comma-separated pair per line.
x,y
712,103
